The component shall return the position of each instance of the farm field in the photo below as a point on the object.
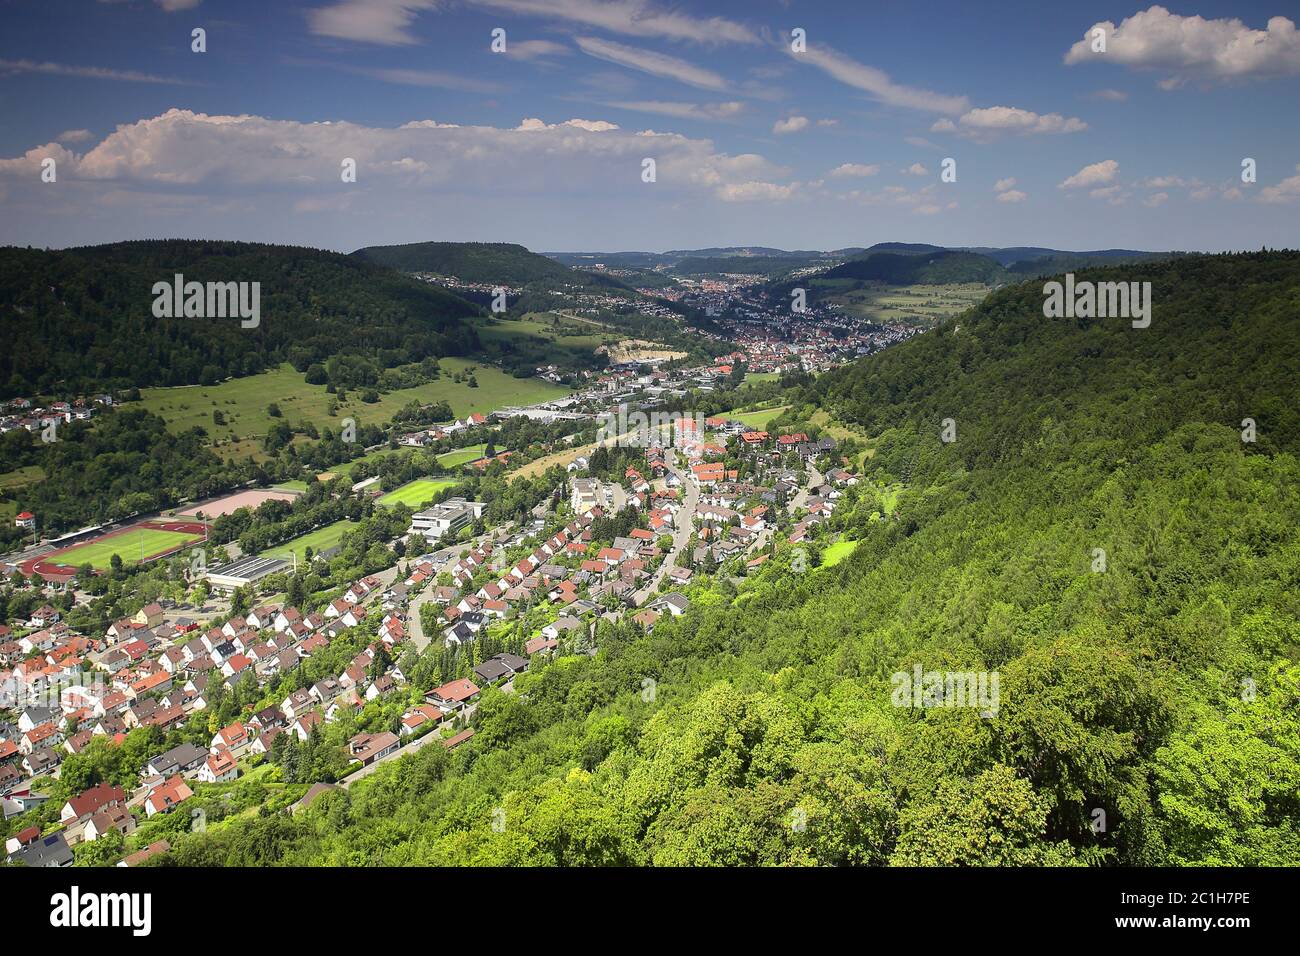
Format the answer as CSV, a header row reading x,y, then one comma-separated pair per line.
x,y
319,540
759,417
919,305
416,493
243,402
129,545
542,325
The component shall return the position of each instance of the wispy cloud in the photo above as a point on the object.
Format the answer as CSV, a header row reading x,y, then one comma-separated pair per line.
x,y
638,18
877,83
694,111
88,72
649,61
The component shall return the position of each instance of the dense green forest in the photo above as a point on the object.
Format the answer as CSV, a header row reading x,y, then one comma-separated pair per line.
x,y
919,268
82,320
1148,707
487,262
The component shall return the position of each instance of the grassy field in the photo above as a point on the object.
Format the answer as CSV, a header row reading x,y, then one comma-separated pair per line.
x,y
837,553
416,493
752,378
294,485
921,305
20,477
550,326
759,418
462,456
8,510
243,402
319,540
99,554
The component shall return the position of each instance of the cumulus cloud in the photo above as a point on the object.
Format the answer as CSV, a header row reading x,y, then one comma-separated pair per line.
x,y
1093,175
791,124
916,169
649,61
217,158
1012,195
990,122
1155,199
854,169
1004,184
1194,47
75,136
1287,191
877,83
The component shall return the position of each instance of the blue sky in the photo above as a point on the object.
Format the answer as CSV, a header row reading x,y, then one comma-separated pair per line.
x,y
754,144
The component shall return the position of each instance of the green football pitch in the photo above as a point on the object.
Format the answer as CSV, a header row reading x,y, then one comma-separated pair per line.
x,y
130,545
416,493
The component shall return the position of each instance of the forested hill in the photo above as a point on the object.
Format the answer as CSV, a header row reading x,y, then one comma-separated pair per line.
x,y
78,320
1098,535
486,262
916,268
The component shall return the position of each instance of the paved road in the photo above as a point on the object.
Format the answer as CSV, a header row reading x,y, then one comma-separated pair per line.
x,y
681,535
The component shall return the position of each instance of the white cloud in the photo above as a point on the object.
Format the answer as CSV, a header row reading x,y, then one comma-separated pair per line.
x,y
534,49
1093,175
638,18
75,136
1004,184
1012,195
1193,47
792,124
217,158
916,169
648,61
1155,199
854,169
1287,191
756,192
987,123
877,83
385,22
87,72
1111,96
679,110
434,79
828,122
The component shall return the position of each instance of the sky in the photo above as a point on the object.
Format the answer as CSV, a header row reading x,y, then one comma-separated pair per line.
x,y
799,125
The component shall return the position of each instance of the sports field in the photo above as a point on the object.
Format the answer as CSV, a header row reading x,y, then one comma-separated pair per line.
x,y
416,493
461,456
129,545
322,539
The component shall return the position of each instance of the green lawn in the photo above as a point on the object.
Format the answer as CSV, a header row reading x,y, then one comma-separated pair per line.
x,y
416,493
243,401
294,485
837,553
755,377
758,419
21,476
461,456
99,554
319,540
